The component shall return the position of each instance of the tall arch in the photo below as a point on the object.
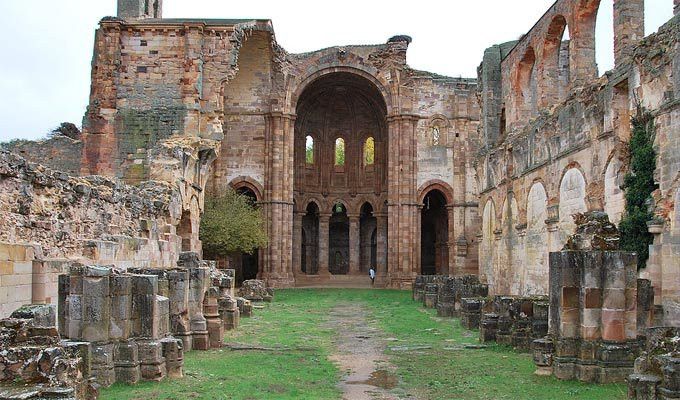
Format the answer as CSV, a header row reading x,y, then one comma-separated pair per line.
x,y
526,85
507,272
334,105
536,239
554,64
434,234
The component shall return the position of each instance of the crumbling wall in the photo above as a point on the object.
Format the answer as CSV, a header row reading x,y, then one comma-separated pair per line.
x,y
49,220
59,152
572,138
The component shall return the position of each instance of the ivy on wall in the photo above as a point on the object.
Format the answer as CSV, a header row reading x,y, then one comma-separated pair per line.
x,y
639,185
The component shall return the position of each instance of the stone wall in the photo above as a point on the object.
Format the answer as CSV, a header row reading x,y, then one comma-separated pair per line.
x,y
59,152
50,220
554,145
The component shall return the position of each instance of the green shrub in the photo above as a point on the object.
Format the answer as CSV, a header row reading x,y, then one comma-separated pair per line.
x,y
231,223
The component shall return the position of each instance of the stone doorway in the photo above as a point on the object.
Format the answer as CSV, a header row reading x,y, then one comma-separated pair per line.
x,y
338,233
247,265
310,240
434,234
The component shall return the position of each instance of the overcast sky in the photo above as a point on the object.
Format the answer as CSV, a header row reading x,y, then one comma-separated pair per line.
x,y
47,44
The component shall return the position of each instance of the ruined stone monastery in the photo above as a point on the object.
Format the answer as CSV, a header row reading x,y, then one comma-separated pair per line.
x,y
438,175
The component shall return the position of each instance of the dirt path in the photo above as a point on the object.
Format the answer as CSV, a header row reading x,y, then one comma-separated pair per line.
x,y
359,352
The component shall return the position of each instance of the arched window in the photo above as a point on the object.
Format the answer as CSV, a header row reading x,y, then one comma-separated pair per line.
x,y
436,135
339,152
369,151
309,149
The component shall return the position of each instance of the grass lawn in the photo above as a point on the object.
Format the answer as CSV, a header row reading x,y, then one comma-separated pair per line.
x,y
426,351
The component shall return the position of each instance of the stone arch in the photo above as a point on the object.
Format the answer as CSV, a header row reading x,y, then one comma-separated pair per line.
x,y
572,200
247,182
507,272
435,184
555,53
535,280
487,246
614,196
525,86
303,83
188,226
434,231
331,204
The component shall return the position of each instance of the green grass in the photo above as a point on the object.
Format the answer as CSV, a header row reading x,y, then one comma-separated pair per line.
x,y
297,321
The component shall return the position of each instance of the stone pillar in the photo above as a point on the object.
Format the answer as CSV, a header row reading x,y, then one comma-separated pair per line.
x,y
354,244
178,285
402,207
39,281
582,64
381,249
676,7
629,28
96,303
297,242
277,205
324,224
99,139
453,266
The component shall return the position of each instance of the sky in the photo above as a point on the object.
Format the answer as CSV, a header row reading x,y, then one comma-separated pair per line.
x,y
47,44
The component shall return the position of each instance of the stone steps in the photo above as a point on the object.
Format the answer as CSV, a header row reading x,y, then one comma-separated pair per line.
x,y
333,281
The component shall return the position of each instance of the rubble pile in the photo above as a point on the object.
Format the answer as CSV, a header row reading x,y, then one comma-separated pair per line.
x,y
35,363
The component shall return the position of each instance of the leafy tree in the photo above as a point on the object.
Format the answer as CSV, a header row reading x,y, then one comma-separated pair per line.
x,y
67,129
231,223
639,185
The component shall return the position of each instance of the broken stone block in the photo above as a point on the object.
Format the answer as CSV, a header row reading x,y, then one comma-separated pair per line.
x,y
256,290
488,328
174,357
430,300
152,362
96,307
102,366
126,362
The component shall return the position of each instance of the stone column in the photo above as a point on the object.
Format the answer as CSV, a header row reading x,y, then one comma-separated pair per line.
x,y
39,282
402,206
297,242
381,249
676,7
354,244
452,266
417,267
324,222
277,205
629,28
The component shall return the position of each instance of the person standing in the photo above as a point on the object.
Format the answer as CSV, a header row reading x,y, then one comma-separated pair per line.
x,y
371,273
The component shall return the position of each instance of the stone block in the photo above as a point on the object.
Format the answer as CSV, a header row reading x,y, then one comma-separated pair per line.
x,y
102,366
173,353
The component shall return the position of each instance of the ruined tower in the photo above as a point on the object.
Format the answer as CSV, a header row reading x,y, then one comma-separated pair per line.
x,y
132,9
